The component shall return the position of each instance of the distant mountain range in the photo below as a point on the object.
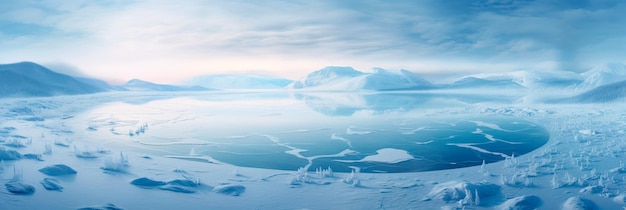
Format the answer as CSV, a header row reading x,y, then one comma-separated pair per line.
x,y
28,79
334,78
599,84
236,81
140,85
31,79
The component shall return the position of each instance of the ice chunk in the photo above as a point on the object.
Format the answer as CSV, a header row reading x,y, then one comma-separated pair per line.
x,y
57,170
389,155
20,188
234,190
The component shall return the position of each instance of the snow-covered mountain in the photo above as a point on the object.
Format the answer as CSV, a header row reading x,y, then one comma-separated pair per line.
x,y
348,79
235,81
603,93
603,75
527,79
140,85
30,79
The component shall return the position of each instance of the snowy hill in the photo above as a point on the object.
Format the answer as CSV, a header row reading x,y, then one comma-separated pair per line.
x,y
140,85
604,93
234,81
30,79
603,75
348,79
527,79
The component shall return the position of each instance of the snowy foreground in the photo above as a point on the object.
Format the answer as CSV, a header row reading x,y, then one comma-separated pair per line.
x,y
48,164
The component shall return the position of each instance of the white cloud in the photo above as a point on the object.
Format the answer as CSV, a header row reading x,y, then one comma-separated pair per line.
x,y
169,40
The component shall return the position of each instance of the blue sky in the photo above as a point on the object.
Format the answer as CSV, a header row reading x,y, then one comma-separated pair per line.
x,y
166,41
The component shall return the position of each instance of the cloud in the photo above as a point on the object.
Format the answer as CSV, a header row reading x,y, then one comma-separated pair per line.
x,y
161,40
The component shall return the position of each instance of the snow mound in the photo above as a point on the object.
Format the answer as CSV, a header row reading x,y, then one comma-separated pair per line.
x,y
594,189
579,203
107,206
234,190
57,170
477,194
51,184
19,188
526,202
235,81
146,182
8,154
348,79
603,75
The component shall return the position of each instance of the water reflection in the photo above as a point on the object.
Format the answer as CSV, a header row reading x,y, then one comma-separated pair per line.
x,y
370,132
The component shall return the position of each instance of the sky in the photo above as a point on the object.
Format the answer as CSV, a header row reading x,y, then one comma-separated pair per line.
x,y
167,41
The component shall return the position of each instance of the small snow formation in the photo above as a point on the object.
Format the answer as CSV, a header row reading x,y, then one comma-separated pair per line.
x,y
146,182
526,202
579,203
119,164
8,154
108,206
352,179
234,190
592,189
181,186
57,170
19,188
177,185
51,184
465,192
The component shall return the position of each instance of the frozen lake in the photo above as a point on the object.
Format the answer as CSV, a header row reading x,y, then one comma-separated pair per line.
x,y
235,150
364,132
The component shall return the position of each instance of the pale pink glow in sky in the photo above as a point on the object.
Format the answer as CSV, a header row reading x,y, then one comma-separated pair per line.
x,y
168,41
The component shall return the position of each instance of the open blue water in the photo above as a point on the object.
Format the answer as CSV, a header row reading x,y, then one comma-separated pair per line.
x,y
376,133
